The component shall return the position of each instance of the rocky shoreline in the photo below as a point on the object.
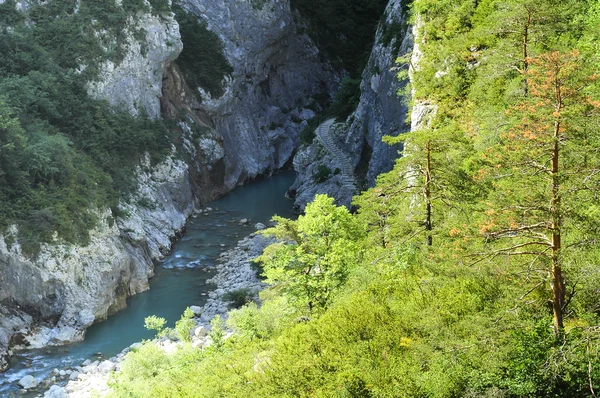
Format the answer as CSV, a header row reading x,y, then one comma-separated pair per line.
x,y
234,273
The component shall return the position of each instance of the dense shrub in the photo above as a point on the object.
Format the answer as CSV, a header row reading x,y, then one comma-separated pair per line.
x,y
344,30
321,174
346,99
202,60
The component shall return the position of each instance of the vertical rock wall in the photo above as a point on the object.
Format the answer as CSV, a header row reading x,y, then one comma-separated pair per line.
x,y
135,83
381,111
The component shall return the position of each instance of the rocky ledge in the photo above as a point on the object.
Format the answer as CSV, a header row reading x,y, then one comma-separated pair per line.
x,y
235,273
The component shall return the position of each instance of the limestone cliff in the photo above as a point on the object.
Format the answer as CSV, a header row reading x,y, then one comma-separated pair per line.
x,y
135,83
381,112
54,297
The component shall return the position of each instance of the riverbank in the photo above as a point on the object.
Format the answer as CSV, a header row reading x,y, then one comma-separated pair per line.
x,y
234,273
181,280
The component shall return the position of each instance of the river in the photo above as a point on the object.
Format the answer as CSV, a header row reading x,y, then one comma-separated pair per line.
x,y
179,281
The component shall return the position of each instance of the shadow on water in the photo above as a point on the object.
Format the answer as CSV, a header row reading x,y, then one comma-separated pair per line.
x,y
179,281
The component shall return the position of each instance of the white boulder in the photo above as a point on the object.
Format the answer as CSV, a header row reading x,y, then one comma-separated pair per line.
x,y
28,382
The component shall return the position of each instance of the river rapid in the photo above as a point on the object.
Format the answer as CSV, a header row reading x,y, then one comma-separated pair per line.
x,y
179,281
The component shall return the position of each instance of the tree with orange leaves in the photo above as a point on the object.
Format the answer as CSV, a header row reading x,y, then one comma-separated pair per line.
x,y
546,171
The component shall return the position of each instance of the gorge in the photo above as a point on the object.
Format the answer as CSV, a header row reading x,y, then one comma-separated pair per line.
x,y
275,79
438,237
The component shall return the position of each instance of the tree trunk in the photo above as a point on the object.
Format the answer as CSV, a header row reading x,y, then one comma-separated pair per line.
x,y
428,222
558,284
526,52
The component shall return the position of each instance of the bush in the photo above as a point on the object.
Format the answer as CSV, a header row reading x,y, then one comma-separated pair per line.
x,y
346,99
68,152
343,29
238,297
202,60
184,326
155,323
322,174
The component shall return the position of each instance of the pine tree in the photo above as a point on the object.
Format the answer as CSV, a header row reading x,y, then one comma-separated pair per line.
x,y
545,169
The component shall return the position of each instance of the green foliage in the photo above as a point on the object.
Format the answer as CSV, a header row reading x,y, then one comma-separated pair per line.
x,y
155,323
322,174
343,30
202,60
316,254
217,332
184,326
395,30
160,6
346,99
9,16
258,4
63,152
308,134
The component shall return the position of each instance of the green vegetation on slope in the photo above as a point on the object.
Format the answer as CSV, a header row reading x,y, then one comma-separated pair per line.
x,y
478,273
202,60
344,30
61,152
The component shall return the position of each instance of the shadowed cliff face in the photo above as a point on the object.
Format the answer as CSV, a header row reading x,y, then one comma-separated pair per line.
x,y
277,72
381,111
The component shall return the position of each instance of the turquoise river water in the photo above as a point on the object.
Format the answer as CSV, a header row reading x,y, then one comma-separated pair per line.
x,y
179,281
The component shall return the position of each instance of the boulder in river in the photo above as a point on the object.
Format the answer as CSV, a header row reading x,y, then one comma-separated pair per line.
x,y
260,226
28,382
106,366
56,392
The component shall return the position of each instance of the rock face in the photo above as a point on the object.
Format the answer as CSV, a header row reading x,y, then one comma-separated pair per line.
x,y
235,274
381,111
277,72
53,298
136,82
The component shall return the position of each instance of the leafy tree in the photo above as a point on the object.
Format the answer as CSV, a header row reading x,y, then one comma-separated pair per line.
x,y
526,28
184,326
426,185
315,253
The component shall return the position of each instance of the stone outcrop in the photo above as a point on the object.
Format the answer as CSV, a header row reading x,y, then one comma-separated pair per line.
x,y
235,274
381,111
135,83
324,168
276,73
53,298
